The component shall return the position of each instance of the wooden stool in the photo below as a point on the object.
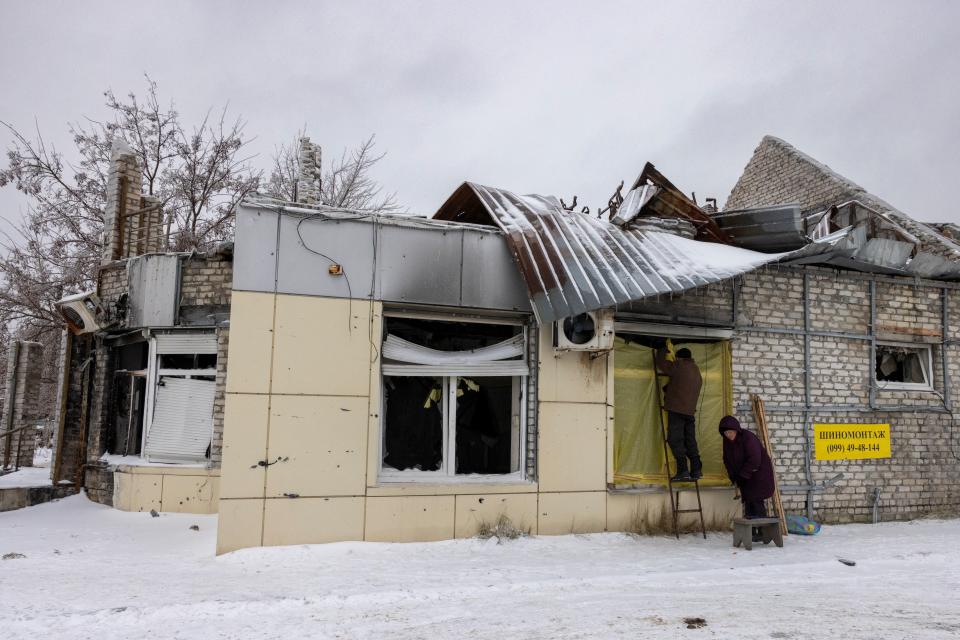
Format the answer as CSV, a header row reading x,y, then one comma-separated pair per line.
x,y
743,531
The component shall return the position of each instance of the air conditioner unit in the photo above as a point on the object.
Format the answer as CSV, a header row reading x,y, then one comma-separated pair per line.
x,y
591,331
82,312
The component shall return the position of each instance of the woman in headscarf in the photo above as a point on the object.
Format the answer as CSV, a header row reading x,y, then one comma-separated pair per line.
x,y
748,466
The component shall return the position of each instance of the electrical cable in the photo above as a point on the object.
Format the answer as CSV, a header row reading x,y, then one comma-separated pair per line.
x,y
373,277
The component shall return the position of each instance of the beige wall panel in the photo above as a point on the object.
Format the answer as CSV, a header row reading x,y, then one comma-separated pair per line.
x,y
244,445
373,406
251,342
189,494
239,524
608,464
570,376
610,418
322,346
649,513
410,519
572,450
563,513
312,520
168,469
321,443
474,511
458,488
637,513
719,508
137,491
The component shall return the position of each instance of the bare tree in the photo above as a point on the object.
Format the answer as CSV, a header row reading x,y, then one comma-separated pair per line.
x,y
208,181
199,173
346,184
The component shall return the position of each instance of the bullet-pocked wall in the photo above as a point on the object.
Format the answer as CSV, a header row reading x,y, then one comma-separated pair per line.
x,y
302,432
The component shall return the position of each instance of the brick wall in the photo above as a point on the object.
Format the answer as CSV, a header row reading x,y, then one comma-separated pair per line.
x,y
923,474
69,443
22,403
779,174
216,448
710,304
206,279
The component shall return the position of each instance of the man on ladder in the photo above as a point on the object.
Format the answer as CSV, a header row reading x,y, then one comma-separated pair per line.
x,y
680,397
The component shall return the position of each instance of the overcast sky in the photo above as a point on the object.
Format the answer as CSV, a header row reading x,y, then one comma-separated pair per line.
x,y
552,97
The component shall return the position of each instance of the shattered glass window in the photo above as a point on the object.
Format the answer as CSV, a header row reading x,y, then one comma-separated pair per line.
x,y
898,365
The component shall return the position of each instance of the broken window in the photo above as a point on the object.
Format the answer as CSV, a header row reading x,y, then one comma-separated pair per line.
x,y
128,396
453,399
904,366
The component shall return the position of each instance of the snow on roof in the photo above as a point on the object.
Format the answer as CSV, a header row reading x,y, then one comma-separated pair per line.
x,y
573,262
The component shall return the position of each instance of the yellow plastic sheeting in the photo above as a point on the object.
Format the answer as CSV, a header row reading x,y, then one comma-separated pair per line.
x,y
638,452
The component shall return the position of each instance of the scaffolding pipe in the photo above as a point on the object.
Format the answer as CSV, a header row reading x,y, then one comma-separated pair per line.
x,y
945,331
872,365
853,408
807,445
801,332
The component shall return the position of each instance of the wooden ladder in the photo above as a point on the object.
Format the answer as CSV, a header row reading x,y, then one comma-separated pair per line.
x,y
675,493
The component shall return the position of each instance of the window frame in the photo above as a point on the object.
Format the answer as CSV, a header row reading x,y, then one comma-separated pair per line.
x,y
153,375
447,474
926,365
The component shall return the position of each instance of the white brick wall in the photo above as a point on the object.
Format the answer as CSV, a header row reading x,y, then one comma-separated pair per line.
x,y
923,474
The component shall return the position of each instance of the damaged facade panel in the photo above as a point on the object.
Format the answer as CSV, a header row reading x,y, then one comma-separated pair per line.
x,y
400,259
153,283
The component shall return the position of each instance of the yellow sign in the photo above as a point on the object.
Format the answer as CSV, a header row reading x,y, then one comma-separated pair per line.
x,y
851,441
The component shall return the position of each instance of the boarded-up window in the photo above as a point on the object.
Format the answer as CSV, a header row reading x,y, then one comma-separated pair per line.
x,y
638,451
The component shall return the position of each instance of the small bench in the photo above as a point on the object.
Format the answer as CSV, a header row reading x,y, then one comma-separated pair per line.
x,y
769,530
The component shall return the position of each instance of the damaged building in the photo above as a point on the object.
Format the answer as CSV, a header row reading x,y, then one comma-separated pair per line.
x,y
397,378
144,362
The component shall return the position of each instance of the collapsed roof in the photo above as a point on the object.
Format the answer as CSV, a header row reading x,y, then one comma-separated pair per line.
x,y
786,207
573,262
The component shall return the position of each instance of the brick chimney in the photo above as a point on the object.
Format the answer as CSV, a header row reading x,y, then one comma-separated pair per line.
x,y
308,182
123,196
132,222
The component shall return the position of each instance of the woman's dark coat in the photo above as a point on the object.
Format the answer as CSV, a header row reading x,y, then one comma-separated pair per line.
x,y
747,462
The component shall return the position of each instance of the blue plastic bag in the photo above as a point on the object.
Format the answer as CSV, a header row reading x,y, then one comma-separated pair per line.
x,y
802,526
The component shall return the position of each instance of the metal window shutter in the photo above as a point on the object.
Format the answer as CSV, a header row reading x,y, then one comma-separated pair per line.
x,y
186,342
182,423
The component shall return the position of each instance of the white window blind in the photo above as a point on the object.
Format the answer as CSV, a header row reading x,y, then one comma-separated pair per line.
x,y
183,342
182,424
416,360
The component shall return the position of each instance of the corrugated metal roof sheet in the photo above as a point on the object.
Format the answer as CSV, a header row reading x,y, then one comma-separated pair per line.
x,y
632,203
773,228
573,262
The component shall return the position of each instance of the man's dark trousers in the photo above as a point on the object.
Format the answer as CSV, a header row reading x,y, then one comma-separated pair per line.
x,y
682,438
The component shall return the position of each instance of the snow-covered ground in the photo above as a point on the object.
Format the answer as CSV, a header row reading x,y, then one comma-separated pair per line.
x,y
94,572
26,477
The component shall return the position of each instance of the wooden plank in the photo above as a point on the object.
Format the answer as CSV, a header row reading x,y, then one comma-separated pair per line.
x,y
761,418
